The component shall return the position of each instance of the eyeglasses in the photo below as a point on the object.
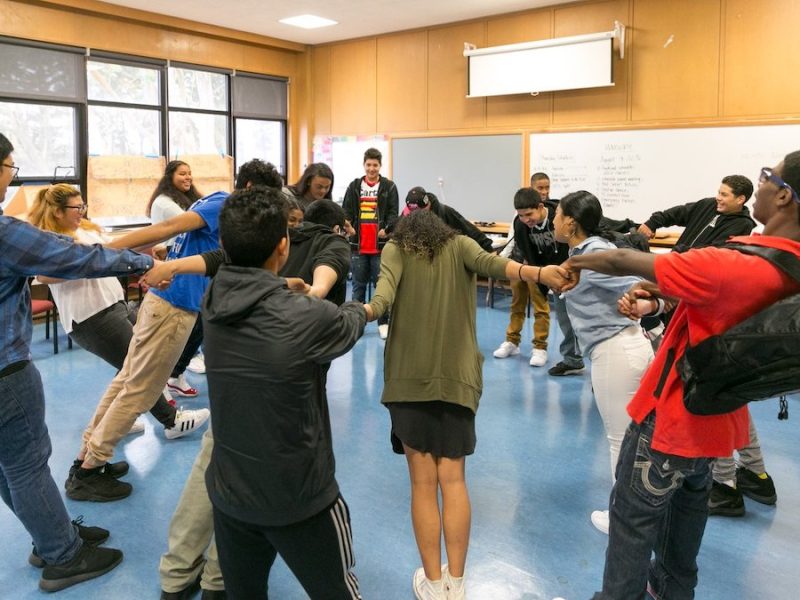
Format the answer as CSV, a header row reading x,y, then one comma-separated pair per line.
x,y
14,170
81,208
767,175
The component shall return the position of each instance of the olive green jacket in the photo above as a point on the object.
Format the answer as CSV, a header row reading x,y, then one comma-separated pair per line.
x,y
432,349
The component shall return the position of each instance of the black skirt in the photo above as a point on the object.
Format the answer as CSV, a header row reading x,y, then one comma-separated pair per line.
x,y
439,428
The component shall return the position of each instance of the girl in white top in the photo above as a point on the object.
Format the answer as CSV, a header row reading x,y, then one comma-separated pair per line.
x,y
93,311
174,193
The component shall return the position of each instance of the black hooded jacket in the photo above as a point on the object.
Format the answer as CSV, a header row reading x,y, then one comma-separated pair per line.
x,y
454,220
267,351
704,225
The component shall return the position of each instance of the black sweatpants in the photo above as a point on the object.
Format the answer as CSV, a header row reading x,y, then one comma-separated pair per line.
x,y
319,551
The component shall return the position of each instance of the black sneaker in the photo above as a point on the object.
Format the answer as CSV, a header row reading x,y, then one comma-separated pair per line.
x,y
752,486
186,593
725,501
92,536
562,369
90,562
96,485
116,470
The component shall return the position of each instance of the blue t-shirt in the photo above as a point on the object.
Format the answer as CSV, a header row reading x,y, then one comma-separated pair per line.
x,y
187,291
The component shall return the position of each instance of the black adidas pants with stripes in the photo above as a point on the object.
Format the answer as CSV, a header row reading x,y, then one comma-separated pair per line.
x,y
319,551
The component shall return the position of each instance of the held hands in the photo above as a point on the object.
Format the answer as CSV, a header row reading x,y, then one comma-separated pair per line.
x,y
160,275
573,275
637,303
555,277
646,231
296,284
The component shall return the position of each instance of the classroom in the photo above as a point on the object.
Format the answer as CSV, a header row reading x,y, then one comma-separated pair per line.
x,y
700,90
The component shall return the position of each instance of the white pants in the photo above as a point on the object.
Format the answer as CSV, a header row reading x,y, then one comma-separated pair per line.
x,y
618,364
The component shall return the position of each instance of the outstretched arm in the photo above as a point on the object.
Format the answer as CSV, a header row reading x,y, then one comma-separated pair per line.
x,y
160,232
612,262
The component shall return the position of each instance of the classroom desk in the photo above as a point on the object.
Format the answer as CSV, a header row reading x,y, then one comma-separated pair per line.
x,y
498,233
664,240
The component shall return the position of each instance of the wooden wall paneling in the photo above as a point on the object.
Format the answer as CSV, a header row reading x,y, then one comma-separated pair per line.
x,y
108,32
448,106
675,70
353,87
321,89
759,67
402,82
595,105
516,110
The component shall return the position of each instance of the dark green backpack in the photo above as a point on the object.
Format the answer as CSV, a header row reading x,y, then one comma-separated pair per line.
x,y
756,359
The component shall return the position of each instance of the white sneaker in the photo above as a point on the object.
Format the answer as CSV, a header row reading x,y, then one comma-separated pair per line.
x,y
180,387
137,427
453,586
538,357
506,349
600,520
383,331
186,421
198,363
425,589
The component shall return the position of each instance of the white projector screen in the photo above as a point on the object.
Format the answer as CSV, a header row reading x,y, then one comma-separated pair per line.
x,y
565,67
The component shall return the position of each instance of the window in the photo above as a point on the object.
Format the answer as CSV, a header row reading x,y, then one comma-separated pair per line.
x,y
43,136
198,112
197,133
261,139
125,111
202,90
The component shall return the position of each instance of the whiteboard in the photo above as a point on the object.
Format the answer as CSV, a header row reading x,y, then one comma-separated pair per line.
x,y
635,173
475,174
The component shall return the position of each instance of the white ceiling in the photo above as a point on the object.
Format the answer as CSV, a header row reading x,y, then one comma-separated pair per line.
x,y
357,18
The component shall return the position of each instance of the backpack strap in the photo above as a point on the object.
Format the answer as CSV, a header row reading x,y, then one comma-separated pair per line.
x,y
785,261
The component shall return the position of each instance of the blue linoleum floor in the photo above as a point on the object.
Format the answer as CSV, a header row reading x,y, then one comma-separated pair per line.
x,y
540,468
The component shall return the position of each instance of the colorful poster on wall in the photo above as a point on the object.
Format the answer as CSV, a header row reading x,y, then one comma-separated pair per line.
x,y
345,155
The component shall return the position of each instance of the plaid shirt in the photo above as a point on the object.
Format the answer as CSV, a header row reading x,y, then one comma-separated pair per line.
x,y
26,251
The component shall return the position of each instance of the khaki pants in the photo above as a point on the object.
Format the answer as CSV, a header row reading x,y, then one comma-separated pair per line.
x,y
191,533
159,337
520,292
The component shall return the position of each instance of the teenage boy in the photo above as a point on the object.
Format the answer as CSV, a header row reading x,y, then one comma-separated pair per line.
x,y
534,244
708,221
370,206
163,325
659,502
67,550
271,477
320,256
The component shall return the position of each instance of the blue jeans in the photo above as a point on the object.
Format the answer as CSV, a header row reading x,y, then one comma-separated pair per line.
x,y
26,485
366,268
570,352
659,504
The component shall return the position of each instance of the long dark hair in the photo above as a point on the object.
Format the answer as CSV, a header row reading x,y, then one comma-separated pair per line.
x,y
585,208
301,186
167,188
422,233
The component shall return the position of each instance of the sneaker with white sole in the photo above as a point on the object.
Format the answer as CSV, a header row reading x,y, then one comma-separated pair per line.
x,y
425,589
453,586
197,364
180,387
383,331
600,520
538,357
186,421
506,349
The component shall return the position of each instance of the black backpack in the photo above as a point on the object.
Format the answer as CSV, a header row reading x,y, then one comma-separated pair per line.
x,y
756,359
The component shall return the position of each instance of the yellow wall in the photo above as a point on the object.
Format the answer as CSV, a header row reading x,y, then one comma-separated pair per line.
x,y
687,63
101,26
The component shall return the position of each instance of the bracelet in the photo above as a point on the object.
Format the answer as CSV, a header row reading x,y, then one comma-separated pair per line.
x,y
519,273
539,277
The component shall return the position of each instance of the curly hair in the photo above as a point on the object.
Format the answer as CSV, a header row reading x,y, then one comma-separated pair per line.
x,y
422,233
166,187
